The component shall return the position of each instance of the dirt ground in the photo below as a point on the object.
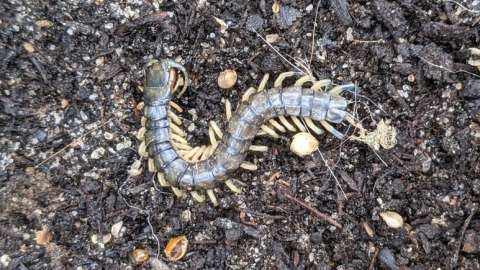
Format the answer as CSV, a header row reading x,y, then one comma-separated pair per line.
x,y
69,78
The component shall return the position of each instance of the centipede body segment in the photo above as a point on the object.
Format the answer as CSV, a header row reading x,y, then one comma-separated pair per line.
x,y
243,126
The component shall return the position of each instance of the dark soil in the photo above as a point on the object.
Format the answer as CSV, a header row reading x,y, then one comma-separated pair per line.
x,y
71,88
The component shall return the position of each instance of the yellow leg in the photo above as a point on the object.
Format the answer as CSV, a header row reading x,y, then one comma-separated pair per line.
x,y
151,165
248,166
140,106
199,153
270,131
287,124
178,138
135,168
212,197
211,135
177,130
189,155
279,81
319,85
178,192
276,125
141,134
258,148
248,93
228,109
317,130
176,107
305,79
263,83
232,187
174,118
197,196
217,130
298,123
142,150
161,180
181,146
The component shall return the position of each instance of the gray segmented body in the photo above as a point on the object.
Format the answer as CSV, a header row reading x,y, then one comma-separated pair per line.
x,y
242,128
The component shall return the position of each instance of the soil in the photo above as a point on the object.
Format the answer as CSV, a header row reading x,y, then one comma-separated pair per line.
x,y
69,82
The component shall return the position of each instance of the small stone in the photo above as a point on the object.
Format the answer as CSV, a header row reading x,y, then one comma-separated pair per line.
x,y
349,34
411,78
309,8
108,136
272,38
44,24
118,230
254,23
123,145
386,257
100,61
108,26
97,153
43,237
28,47
64,103
5,260
233,235
471,244
186,216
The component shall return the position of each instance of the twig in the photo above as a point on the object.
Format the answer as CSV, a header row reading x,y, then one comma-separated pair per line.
x,y
314,211
75,141
374,259
273,48
313,32
142,211
446,69
454,261
462,6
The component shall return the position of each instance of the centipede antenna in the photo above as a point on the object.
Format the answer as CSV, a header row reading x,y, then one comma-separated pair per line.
x,y
229,183
212,197
197,196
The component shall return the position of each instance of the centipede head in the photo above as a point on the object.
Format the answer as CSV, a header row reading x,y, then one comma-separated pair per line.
x,y
163,74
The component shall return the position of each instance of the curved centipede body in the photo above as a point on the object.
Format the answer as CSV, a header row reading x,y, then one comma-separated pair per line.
x,y
243,126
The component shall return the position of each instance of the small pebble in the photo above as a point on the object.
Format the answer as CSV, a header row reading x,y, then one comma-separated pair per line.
x,y
471,244
97,153
272,38
117,230
157,264
387,258
28,47
176,248
139,256
108,136
5,260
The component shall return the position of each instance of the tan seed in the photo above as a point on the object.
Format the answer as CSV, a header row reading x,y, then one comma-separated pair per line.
x,y
44,23
28,47
392,219
227,79
304,144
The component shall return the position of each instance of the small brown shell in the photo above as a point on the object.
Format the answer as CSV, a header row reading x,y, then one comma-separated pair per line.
x,y
176,248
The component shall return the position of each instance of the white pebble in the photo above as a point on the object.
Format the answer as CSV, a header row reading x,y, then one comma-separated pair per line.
x,y
97,153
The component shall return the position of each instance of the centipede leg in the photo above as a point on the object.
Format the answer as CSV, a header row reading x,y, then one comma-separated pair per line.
x,y
332,130
277,126
161,180
175,118
141,134
217,129
135,168
200,198
142,150
212,197
228,109
178,192
269,131
176,107
151,165
319,85
311,125
248,93
229,183
305,79
279,81
263,83
286,124
248,166
298,123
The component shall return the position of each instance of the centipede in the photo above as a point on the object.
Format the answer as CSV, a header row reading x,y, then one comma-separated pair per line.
x,y
198,170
